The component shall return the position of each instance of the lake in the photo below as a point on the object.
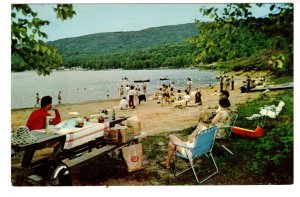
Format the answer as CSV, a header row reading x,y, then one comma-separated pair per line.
x,y
82,86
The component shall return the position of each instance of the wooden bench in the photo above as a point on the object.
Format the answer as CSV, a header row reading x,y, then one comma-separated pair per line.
x,y
73,164
84,157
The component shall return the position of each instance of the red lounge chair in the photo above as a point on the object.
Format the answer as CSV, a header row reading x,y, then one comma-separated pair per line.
x,y
258,132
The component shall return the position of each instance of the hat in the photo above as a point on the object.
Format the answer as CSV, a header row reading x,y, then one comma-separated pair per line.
x,y
22,136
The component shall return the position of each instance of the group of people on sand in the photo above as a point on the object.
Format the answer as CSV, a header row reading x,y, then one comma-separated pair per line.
x,y
166,95
226,82
131,94
249,83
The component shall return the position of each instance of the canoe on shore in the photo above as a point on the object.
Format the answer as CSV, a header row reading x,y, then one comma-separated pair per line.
x,y
258,132
141,81
273,87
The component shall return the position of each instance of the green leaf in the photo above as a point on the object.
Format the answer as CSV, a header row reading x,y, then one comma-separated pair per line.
x,y
36,48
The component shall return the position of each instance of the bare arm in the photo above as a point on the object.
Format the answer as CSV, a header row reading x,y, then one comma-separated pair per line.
x,y
201,126
217,118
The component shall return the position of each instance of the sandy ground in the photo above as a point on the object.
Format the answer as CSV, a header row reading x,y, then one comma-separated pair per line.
x,y
154,117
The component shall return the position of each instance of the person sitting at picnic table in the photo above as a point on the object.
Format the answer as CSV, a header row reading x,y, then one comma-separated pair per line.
x,y
37,119
204,122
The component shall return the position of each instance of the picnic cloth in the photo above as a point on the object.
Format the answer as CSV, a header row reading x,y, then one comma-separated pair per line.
x,y
78,136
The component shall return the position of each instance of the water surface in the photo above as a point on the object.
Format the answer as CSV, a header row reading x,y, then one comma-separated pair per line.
x,y
81,86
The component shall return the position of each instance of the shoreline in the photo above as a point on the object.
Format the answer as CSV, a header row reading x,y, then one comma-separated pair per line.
x,y
154,118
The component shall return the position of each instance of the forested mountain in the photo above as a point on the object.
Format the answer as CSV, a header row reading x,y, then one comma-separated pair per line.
x,y
165,46
115,42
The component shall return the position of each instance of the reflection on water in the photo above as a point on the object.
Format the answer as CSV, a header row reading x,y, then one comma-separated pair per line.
x,y
80,86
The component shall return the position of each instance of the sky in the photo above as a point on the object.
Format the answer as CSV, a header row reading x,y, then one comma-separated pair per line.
x,y
99,17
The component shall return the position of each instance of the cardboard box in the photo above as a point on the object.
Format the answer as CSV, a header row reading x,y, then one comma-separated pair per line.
x,y
127,134
112,136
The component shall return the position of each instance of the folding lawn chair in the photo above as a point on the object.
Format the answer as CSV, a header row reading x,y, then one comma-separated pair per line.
x,y
204,143
227,129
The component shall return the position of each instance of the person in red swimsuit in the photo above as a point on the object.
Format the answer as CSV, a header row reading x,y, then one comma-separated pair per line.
x,y
37,118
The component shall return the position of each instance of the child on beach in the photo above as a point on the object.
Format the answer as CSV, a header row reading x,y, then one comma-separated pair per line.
x,y
37,97
107,94
179,95
121,91
59,97
187,98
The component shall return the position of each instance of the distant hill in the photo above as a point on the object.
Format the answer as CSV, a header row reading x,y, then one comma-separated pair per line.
x,y
118,42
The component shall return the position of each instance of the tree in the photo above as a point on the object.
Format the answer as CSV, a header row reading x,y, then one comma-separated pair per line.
x,y
233,30
27,38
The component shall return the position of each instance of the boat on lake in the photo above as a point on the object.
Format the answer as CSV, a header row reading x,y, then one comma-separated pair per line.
x,y
164,78
141,81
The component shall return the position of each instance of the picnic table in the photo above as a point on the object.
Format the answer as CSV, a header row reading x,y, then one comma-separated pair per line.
x,y
71,146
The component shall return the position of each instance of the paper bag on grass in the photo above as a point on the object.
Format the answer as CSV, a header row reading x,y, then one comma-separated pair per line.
x,y
133,156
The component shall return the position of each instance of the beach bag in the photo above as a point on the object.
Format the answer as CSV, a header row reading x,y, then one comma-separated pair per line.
x,y
22,136
133,156
135,123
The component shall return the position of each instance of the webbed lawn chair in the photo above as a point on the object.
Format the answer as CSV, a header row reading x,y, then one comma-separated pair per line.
x,y
227,128
204,143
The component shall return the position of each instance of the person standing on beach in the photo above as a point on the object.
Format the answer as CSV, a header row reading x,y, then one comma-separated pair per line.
x,y
164,92
187,98
131,94
172,88
107,94
121,91
142,95
189,84
227,83
37,98
59,97
248,83
144,87
232,82
221,83
37,119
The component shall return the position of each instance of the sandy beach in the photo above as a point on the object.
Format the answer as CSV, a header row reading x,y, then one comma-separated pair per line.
x,y
154,117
